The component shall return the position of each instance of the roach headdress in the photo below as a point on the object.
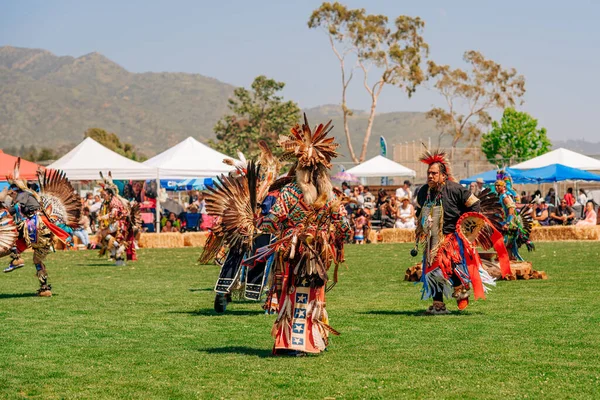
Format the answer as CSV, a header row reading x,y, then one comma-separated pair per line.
x,y
436,156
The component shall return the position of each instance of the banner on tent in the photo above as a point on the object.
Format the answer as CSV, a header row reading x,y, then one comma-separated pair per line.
x,y
186,184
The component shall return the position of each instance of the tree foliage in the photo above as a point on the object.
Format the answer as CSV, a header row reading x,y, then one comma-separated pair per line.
x,y
257,114
112,142
516,137
394,53
486,86
34,154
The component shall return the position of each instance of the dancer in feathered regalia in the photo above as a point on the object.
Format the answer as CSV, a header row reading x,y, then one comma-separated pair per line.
x,y
31,219
119,223
517,224
307,222
234,276
450,224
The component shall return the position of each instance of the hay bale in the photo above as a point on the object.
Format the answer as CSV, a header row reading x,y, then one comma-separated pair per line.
x,y
571,232
160,240
195,239
397,235
587,232
373,236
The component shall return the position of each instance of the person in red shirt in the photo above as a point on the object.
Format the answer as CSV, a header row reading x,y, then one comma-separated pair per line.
x,y
569,198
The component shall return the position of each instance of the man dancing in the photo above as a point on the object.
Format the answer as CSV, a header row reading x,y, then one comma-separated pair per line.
x,y
118,223
449,226
247,280
31,219
307,220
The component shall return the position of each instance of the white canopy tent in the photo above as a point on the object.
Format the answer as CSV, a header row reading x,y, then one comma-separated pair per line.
x,y
561,156
380,166
189,159
85,161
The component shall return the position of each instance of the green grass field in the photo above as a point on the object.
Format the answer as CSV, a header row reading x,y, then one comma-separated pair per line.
x,y
147,330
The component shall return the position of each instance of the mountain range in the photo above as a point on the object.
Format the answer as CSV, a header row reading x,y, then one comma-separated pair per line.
x,y
51,101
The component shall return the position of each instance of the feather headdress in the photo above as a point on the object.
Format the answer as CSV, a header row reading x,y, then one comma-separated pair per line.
x,y
108,184
503,178
436,156
311,149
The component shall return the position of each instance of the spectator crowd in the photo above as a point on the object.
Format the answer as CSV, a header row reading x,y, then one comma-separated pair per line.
x,y
366,211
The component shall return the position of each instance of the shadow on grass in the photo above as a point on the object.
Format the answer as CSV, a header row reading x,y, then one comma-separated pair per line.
x,y
209,289
211,312
248,351
416,313
16,295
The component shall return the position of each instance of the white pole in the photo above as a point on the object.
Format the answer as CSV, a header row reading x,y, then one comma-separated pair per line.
x,y
157,210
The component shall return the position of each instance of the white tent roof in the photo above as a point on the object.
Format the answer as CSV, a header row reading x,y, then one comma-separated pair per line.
x,y
189,159
86,161
561,156
380,166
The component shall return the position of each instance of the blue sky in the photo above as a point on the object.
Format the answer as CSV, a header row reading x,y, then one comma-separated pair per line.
x,y
553,43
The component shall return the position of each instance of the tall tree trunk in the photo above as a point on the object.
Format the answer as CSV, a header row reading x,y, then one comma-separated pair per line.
x,y
346,127
345,110
374,97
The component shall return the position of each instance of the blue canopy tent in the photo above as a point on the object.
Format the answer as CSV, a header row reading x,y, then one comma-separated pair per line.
x,y
518,176
557,173
549,174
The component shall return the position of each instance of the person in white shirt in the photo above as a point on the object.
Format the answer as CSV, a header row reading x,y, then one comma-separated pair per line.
x,y
406,215
369,198
582,198
358,197
404,191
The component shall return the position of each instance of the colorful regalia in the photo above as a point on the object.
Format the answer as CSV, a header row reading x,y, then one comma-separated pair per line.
x,y
309,229
32,220
450,225
308,221
516,224
119,223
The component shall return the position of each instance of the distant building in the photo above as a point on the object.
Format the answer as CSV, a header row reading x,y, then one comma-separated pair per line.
x,y
466,161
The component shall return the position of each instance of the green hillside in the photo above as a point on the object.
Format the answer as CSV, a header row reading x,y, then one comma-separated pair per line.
x,y
52,100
